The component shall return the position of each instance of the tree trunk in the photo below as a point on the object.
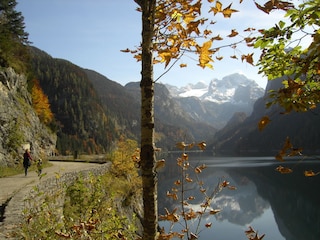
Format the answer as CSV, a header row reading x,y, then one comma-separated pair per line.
x,y
149,178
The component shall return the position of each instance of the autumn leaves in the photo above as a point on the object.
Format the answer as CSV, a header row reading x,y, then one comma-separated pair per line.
x,y
180,29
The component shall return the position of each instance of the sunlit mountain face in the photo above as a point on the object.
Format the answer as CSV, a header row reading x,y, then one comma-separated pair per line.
x,y
235,88
217,102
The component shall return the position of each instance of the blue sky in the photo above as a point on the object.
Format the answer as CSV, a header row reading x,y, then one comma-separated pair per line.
x,y
91,33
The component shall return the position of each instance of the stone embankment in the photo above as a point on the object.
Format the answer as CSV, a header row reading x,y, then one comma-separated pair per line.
x,y
16,189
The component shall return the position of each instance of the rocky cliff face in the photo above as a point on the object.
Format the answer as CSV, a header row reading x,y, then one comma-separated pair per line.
x,y
20,127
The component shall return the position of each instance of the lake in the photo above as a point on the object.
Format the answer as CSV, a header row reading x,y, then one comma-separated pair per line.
x,y
281,206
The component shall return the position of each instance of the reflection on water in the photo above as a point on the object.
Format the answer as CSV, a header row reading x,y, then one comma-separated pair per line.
x,y
280,206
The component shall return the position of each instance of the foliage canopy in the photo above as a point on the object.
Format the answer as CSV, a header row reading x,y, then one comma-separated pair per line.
x,y
291,49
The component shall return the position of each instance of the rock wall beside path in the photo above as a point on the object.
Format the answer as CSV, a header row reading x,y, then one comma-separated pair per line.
x,y
14,210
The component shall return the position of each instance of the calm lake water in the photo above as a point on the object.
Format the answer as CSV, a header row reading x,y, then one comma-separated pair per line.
x,y
281,206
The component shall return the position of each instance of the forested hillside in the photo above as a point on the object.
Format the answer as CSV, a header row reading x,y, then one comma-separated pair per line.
x,y
172,123
25,117
82,122
92,111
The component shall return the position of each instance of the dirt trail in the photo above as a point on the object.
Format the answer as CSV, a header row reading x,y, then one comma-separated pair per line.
x,y
10,185
16,187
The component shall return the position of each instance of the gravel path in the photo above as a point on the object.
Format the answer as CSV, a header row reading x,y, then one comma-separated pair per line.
x,y
14,189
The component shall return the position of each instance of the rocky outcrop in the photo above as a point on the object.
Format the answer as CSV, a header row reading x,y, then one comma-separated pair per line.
x,y
20,127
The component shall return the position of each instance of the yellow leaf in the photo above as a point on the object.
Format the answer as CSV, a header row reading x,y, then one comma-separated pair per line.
x,y
205,54
217,8
138,57
188,18
176,16
228,11
182,65
165,57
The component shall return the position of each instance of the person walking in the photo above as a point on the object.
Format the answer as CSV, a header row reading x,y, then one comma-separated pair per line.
x,y
26,161
39,166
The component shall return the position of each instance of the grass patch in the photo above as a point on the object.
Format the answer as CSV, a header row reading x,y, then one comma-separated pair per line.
x,y
18,169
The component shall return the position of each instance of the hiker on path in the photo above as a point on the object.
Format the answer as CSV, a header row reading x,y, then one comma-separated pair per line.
x,y
26,161
39,166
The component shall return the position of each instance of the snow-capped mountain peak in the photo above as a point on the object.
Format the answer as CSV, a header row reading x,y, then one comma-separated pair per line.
x,y
235,88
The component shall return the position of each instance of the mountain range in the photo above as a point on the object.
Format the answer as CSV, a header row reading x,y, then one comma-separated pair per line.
x,y
224,112
89,106
216,102
92,112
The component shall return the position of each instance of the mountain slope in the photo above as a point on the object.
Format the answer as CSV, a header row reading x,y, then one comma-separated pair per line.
x,y
20,127
245,138
173,124
216,103
82,121
120,104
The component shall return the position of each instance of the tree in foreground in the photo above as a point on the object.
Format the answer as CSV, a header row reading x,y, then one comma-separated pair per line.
x,y
171,29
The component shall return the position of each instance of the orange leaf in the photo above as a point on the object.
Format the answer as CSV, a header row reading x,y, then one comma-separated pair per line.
x,y
214,211
310,173
208,225
197,170
125,50
181,145
202,145
248,58
160,164
178,182
233,33
263,122
284,170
